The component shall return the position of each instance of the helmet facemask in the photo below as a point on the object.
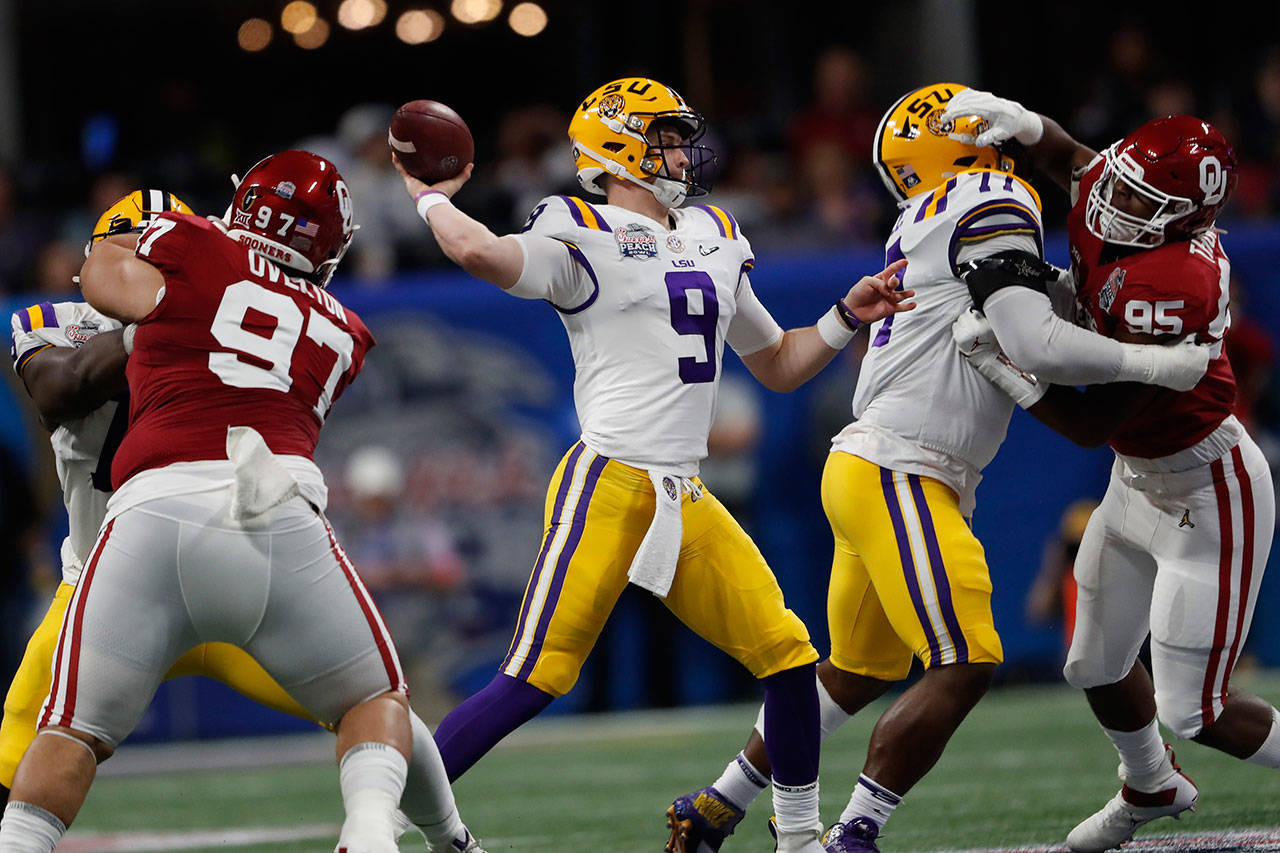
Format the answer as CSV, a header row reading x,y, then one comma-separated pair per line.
x,y
1108,222
673,190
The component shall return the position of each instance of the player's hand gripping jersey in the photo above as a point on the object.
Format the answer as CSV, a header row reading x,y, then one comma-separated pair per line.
x,y
242,344
918,406
648,310
1177,289
82,448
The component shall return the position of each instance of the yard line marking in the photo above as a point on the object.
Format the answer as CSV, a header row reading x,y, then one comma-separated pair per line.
x,y
106,842
1227,841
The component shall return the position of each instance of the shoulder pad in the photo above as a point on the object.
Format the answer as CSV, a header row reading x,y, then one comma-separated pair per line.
x,y
719,219
564,215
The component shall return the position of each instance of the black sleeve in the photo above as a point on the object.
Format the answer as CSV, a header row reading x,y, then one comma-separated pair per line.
x,y
1010,268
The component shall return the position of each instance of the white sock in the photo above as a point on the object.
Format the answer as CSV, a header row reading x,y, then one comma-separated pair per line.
x,y
1268,755
870,800
796,808
741,782
372,777
428,799
29,829
832,715
1141,754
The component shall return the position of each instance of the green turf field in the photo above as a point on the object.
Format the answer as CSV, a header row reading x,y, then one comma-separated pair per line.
x,y
1026,766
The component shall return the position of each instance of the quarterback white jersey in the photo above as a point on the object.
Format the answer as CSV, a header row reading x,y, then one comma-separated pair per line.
x,y
82,448
918,407
648,309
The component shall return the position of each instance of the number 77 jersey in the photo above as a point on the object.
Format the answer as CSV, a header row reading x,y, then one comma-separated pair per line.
x,y
233,341
648,307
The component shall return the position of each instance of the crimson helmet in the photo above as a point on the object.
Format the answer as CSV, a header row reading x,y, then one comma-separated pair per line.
x,y
1182,166
294,209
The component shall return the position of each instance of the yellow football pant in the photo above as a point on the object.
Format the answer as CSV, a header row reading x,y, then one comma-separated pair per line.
x,y
908,577
597,512
220,661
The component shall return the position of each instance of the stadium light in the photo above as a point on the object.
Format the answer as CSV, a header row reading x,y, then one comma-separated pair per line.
x,y
527,19
475,11
254,35
298,16
419,26
315,36
361,14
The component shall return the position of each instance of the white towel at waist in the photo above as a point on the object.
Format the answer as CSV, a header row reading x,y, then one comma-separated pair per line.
x,y
261,481
654,565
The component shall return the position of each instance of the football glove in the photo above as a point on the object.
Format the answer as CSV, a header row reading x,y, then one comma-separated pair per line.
x,y
1005,119
977,343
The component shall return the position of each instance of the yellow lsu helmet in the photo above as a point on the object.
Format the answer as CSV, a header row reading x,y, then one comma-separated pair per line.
x,y
133,213
608,134
915,149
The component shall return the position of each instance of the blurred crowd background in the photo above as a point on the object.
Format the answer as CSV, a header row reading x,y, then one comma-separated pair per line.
x,y
438,456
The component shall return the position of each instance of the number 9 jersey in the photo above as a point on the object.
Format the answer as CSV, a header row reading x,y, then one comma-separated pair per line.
x,y
233,341
648,307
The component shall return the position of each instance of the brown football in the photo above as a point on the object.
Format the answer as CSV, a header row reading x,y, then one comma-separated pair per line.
x,y
431,140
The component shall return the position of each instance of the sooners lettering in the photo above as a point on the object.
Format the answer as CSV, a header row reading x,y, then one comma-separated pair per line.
x,y
265,248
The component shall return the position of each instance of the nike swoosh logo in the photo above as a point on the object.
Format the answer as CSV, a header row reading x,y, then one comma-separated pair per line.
x,y
703,250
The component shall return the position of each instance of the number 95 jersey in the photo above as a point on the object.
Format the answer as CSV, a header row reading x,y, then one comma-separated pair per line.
x,y
648,308
233,341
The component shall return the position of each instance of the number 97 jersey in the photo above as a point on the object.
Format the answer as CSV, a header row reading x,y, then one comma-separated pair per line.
x,y
233,341
648,307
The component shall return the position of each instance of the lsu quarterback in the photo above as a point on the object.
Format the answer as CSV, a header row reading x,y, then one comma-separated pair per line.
x,y
908,577
71,358
649,293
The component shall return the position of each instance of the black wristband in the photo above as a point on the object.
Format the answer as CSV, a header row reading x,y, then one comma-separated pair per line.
x,y
846,316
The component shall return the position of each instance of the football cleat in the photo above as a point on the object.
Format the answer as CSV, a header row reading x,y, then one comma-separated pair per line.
x,y
852,835
701,821
467,844
795,842
1115,823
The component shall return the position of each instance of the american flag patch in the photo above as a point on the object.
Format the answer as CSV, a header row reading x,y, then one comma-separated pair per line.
x,y
310,229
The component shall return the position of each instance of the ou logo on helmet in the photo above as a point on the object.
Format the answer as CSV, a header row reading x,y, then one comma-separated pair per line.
x,y
1213,180
344,203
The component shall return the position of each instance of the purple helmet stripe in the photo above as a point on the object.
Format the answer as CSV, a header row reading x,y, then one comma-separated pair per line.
x,y
565,479
562,565
939,570
908,562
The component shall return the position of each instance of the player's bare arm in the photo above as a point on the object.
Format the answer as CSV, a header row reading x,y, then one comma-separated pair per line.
x,y
800,353
466,242
68,383
118,283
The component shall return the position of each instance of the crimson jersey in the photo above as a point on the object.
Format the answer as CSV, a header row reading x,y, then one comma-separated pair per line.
x,y
1173,290
233,341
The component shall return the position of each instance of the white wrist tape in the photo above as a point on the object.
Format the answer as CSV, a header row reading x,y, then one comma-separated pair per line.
x,y
127,341
428,200
833,329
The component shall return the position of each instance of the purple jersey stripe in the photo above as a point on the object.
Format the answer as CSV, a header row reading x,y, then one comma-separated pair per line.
x,y
24,317
706,208
565,480
577,255
908,562
574,211
50,316
562,565
967,229
940,580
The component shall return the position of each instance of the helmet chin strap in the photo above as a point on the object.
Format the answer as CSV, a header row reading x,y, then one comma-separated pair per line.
x,y
668,191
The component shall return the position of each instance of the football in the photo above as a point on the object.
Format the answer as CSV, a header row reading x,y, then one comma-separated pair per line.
x,y
431,140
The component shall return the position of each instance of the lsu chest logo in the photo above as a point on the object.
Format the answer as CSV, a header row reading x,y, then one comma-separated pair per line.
x,y
1107,295
636,241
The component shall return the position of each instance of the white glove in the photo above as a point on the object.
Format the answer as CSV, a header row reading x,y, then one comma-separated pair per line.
x,y
1062,295
1178,366
977,343
1005,119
